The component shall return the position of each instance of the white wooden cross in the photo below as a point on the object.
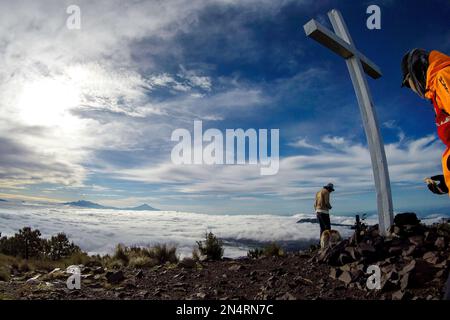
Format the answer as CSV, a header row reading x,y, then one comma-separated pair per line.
x,y
342,44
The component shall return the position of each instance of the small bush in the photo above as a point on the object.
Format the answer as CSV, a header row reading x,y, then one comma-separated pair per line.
x,y
163,253
78,257
112,263
212,247
42,265
23,266
195,254
142,262
120,254
255,253
4,273
273,250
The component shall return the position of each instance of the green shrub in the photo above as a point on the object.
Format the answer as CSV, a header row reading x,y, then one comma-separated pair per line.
x,y
78,257
212,247
142,262
4,273
26,244
23,266
58,247
255,253
195,254
120,254
163,253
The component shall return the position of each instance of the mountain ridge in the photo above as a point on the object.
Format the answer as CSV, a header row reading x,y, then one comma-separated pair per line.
x,y
93,205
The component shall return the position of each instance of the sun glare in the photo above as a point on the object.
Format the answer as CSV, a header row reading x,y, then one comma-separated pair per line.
x,y
48,101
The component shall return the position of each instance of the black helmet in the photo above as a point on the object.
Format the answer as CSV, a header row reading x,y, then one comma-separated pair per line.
x,y
415,65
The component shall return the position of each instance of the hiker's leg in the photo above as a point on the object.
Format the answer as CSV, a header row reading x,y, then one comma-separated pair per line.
x,y
321,223
326,221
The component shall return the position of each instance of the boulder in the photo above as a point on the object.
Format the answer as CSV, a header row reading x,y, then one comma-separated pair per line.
x,y
34,280
404,281
390,281
395,250
187,263
330,255
407,218
287,296
335,273
115,277
430,236
419,272
352,252
416,240
409,251
235,267
440,243
98,270
408,268
365,249
345,258
398,295
431,257
345,277
139,274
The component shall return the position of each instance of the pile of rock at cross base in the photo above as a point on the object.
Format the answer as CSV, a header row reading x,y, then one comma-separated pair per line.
x,y
413,259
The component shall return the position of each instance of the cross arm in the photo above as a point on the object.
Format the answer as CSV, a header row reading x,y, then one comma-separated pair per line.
x,y
321,34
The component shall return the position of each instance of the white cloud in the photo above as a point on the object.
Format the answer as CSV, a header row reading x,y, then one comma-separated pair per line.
x,y
302,143
333,141
64,91
98,231
347,165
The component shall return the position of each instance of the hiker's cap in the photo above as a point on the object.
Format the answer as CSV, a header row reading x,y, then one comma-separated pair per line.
x,y
330,186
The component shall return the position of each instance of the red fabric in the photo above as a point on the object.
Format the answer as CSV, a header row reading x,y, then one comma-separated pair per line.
x,y
443,124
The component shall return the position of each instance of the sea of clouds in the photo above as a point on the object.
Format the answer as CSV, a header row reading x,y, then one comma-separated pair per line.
x,y
98,231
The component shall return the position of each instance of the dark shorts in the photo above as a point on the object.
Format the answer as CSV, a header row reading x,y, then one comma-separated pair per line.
x,y
324,221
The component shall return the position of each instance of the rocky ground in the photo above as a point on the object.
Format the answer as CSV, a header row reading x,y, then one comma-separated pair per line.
x,y
414,262
292,277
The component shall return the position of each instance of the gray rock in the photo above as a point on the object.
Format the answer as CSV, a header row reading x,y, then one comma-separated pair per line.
x,y
404,281
440,243
365,249
335,273
430,257
409,251
352,252
235,267
408,268
200,295
345,277
416,240
287,296
139,274
398,295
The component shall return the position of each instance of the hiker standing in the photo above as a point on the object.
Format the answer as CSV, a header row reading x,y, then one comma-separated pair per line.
x,y
322,207
428,75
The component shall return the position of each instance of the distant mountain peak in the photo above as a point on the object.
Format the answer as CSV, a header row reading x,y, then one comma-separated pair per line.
x,y
93,205
85,204
143,207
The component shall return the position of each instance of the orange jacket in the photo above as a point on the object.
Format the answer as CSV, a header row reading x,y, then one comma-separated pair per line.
x,y
438,90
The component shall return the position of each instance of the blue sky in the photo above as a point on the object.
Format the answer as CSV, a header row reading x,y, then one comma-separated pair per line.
x,y
88,114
